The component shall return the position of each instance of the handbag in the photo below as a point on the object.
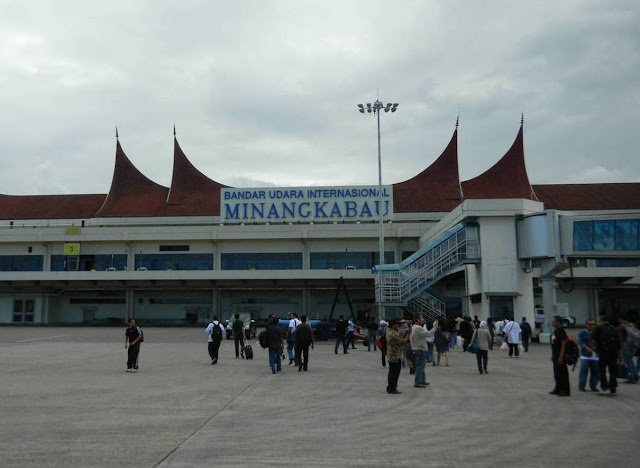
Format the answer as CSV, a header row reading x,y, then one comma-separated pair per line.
x,y
504,346
473,347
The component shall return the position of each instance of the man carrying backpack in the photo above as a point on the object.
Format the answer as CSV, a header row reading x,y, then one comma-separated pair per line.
x,y
607,344
303,339
214,330
630,336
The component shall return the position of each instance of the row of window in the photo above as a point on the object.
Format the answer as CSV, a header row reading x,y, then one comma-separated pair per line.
x,y
621,234
229,261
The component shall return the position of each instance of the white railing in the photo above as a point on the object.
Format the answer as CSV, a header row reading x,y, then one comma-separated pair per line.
x,y
428,305
397,284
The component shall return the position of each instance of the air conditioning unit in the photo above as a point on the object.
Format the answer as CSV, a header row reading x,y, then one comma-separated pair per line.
x,y
111,269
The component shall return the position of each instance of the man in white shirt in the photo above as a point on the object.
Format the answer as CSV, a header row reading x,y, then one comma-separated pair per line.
x,y
511,333
214,331
293,324
418,340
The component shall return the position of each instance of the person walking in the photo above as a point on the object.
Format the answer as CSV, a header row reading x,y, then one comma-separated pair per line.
x,y
588,359
442,343
394,355
351,328
372,326
294,322
628,336
381,335
214,330
303,339
511,333
238,336
560,371
482,336
341,334
276,345
526,333
607,344
418,340
492,331
133,336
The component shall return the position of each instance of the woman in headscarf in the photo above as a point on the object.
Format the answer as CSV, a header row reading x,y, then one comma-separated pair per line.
x,y
483,338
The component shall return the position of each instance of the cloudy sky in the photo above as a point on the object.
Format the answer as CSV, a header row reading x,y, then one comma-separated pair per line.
x,y
265,92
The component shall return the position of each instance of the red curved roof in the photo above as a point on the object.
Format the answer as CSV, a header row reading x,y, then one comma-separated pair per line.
x,y
505,179
131,192
437,188
192,193
618,196
50,206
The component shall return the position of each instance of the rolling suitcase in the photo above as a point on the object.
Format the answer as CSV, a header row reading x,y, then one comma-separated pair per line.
x,y
248,352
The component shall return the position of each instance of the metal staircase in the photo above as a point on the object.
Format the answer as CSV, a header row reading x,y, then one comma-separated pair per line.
x,y
406,283
428,305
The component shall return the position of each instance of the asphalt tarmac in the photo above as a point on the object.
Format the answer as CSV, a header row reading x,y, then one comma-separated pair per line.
x,y
66,400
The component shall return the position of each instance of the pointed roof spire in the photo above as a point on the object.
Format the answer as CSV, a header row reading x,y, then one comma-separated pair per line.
x,y
192,193
174,130
131,192
522,119
436,189
457,120
117,132
507,178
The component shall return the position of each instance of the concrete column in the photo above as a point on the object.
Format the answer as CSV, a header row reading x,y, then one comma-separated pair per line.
x,y
306,302
216,297
131,257
548,297
129,310
44,308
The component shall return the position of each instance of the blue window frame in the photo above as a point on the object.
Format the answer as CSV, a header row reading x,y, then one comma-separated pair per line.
x,y
203,261
615,234
627,234
617,262
21,262
342,260
262,261
91,262
583,235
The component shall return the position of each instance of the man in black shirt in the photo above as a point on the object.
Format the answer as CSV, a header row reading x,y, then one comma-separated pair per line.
x,y
238,339
276,344
607,344
525,333
560,371
132,337
341,335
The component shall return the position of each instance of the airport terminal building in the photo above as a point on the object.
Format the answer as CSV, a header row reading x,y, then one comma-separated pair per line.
x,y
493,245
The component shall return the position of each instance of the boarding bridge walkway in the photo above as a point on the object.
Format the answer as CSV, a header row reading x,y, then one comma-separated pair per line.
x,y
407,283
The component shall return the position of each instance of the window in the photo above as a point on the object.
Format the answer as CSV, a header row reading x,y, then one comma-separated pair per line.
x,y
88,262
583,235
617,262
174,248
614,235
342,260
202,261
23,310
21,262
627,234
262,261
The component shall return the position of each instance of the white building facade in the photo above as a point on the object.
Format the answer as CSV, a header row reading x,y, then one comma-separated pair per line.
x,y
180,254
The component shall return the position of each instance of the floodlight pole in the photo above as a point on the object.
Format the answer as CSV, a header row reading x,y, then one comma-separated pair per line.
x,y
376,108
